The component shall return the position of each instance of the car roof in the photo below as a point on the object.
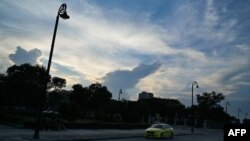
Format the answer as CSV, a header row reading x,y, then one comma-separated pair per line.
x,y
160,124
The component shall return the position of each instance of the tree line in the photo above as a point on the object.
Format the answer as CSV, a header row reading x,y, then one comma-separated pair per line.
x,y
22,88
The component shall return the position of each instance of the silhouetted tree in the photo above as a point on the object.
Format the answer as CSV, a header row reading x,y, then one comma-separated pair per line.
x,y
24,85
209,108
164,107
130,112
115,108
58,83
2,87
55,97
80,96
246,121
210,100
99,96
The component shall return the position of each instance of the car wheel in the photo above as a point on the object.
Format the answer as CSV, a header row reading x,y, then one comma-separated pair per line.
x,y
161,136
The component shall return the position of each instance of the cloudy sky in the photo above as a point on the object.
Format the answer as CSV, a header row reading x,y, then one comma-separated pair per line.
x,y
158,46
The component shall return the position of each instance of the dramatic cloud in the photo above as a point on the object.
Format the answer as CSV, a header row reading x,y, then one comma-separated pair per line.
x,y
23,56
125,79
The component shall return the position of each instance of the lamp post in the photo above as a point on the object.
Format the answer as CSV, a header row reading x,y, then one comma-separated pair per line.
x,y
227,103
120,92
63,14
239,110
192,118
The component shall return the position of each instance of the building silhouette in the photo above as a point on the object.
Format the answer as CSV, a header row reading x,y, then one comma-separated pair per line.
x,y
145,95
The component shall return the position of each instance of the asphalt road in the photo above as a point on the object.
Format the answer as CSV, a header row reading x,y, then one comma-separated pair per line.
x,y
198,137
182,134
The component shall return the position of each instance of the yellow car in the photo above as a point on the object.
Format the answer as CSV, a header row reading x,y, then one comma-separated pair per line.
x,y
159,131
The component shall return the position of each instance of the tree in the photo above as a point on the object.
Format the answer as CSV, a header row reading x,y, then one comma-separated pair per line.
x,y
58,83
164,107
80,95
209,108
210,100
2,86
130,111
91,99
2,77
99,96
55,96
25,85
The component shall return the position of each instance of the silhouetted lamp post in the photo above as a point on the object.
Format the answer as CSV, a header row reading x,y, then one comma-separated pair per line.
x,y
239,110
227,103
120,92
192,118
63,14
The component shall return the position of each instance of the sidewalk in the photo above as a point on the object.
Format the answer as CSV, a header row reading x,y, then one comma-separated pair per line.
x,y
12,134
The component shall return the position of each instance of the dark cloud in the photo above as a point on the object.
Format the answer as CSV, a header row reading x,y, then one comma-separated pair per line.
x,y
22,56
125,79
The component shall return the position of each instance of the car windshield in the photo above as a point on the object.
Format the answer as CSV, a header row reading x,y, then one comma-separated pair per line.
x,y
157,126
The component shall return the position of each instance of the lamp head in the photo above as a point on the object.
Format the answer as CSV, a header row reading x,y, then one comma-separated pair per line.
x,y
64,15
62,11
195,83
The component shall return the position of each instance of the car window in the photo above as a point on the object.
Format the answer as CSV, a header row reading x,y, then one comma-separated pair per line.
x,y
167,126
157,126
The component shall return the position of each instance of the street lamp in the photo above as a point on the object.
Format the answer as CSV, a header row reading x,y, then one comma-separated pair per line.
x,y
239,110
63,14
120,92
192,118
227,103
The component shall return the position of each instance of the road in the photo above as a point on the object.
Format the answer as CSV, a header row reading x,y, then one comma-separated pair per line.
x,y
198,137
182,134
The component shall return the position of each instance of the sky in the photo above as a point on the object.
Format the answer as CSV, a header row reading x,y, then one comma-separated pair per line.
x,y
158,46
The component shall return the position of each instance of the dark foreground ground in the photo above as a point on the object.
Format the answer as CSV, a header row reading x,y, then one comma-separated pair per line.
x,y
181,134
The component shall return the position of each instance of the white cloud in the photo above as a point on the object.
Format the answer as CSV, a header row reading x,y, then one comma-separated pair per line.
x,y
127,79
243,48
101,45
22,56
210,16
